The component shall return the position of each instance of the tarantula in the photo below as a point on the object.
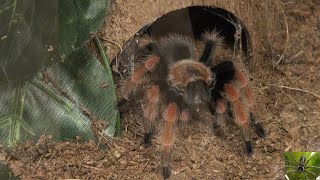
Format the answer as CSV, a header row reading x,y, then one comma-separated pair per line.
x,y
181,84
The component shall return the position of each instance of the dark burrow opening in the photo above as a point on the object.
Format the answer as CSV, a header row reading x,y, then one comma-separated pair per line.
x,y
191,21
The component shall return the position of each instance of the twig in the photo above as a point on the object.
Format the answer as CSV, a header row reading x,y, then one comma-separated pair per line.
x,y
296,56
288,37
178,171
136,133
91,167
110,141
146,164
117,60
313,125
53,154
116,69
112,42
38,164
295,89
314,112
99,142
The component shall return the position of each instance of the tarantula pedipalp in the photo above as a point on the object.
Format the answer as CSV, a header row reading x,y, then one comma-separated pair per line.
x,y
183,85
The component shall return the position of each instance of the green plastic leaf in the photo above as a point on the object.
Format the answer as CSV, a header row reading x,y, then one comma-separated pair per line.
x,y
58,105
80,17
5,173
106,64
311,166
35,33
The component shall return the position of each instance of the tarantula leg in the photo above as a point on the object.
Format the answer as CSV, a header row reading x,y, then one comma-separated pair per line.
x,y
247,139
170,115
248,96
151,113
218,110
257,126
219,113
230,114
137,76
240,79
147,137
249,100
241,119
213,40
121,106
166,172
185,115
239,114
231,92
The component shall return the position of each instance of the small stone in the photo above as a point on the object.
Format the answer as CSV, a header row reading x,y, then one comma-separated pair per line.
x,y
117,154
123,161
50,49
89,162
194,166
277,146
288,148
3,37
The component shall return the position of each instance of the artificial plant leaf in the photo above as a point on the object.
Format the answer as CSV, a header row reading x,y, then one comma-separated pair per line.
x,y
292,162
35,33
5,173
106,65
57,101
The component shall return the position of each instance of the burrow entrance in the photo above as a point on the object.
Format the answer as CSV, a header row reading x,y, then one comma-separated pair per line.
x,y
193,22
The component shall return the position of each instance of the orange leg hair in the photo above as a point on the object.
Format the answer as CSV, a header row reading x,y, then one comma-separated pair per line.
x,y
137,76
219,117
151,113
240,112
170,116
184,115
240,78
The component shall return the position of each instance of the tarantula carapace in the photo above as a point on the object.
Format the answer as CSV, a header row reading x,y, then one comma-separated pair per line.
x,y
181,84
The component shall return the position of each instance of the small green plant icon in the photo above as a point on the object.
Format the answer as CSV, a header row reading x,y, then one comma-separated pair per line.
x,y
302,165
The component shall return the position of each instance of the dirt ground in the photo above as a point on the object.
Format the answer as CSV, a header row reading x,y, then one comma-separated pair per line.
x,y
288,103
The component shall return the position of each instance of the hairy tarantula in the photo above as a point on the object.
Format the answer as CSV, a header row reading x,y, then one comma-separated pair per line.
x,y
181,84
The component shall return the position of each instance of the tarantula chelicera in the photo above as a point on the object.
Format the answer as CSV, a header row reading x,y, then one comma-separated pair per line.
x,y
181,85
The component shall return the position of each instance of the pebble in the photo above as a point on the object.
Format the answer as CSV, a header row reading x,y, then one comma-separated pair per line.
x,y
123,161
116,154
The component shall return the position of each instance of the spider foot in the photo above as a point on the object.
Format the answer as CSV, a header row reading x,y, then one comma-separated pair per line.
x,y
166,172
260,131
217,130
257,126
248,148
147,140
121,106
